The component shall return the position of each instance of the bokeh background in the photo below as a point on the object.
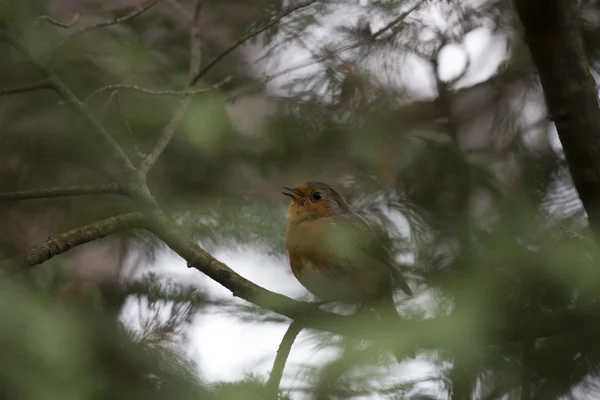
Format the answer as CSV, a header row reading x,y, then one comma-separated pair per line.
x,y
427,115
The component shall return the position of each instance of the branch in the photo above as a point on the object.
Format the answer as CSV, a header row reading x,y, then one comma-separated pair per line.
x,y
351,46
281,359
137,11
47,193
119,155
440,332
68,240
400,18
117,98
54,22
165,137
65,93
45,84
552,33
152,92
195,62
285,12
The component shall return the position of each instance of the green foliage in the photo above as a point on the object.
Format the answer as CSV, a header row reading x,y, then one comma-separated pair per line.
x,y
503,265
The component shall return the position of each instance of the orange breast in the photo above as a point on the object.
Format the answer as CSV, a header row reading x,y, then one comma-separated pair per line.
x,y
331,275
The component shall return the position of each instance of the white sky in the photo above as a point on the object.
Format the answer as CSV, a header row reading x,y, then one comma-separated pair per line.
x,y
225,348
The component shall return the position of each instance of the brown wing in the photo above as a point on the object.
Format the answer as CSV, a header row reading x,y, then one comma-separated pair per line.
x,y
363,240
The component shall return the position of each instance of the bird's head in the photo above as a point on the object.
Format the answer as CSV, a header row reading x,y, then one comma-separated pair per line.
x,y
313,200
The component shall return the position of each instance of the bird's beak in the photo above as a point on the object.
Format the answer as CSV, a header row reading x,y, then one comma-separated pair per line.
x,y
293,193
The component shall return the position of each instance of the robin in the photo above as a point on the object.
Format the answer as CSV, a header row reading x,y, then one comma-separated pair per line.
x,y
334,253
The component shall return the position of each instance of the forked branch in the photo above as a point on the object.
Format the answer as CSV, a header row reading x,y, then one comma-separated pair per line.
x,y
284,13
136,12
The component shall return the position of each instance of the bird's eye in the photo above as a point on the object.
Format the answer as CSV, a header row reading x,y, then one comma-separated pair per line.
x,y
317,196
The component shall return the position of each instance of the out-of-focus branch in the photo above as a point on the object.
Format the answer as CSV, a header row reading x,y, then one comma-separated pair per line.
x,y
195,62
552,33
115,95
351,46
54,22
68,240
118,154
151,92
67,95
284,13
283,353
44,84
47,193
143,7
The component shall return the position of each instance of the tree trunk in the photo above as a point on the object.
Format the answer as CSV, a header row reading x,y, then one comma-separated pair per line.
x,y
552,33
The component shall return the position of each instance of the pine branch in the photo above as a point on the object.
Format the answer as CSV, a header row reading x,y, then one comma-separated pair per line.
x,y
195,62
47,193
119,155
284,13
283,353
117,98
140,9
54,22
67,95
152,92
73,238
44,84
351,46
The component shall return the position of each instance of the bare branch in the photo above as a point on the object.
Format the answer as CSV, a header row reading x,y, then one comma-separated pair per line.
x,y
284,13
67,95
143,7
283,353
186,93
47,193
165,137
195,62
54,22
45,84
115,95
195,43
119,155
68,240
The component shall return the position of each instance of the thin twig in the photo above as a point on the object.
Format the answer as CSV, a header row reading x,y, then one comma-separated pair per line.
x,y
119,155
45,84
53,192
400,18
195,43
351,46
195,63
68,240
283,353
143,7
152,92
115,95
54,22
165,137
243,40
67,95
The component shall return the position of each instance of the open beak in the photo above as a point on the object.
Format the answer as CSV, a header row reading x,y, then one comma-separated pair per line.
x,y
293,193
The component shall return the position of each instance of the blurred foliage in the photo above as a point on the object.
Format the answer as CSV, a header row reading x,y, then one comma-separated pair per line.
x,y
459,175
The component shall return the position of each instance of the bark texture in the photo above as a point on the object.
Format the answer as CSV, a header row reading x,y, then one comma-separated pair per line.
x,y
552,32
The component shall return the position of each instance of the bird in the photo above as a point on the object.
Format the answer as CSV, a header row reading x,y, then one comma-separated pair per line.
x,y
335,254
